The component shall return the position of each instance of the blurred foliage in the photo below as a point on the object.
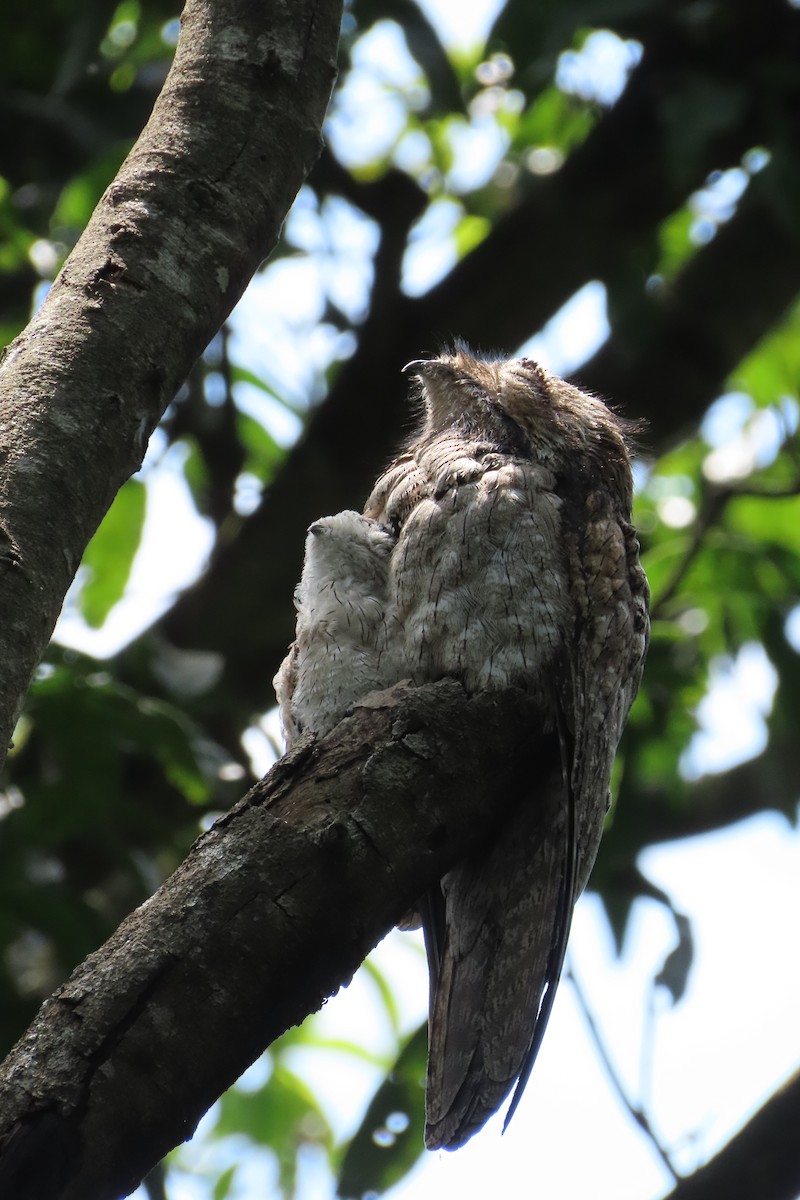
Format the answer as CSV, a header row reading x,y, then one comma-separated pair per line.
x,y
117,764
109,556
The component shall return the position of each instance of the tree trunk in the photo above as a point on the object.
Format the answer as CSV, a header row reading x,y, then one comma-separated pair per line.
x,y
195,208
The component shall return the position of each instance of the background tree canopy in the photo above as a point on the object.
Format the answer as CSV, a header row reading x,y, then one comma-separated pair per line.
x,y
636,161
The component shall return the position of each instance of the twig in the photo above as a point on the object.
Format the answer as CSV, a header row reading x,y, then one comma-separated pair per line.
x,y
637,1113
711,509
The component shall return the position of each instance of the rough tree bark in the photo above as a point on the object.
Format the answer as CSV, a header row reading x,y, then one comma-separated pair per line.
x,y
271,912
195,208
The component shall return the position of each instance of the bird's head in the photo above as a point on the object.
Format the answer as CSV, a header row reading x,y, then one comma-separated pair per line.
x,y
522,407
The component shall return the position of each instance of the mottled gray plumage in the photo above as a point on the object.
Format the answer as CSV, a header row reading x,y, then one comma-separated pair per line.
x,y
342,648
496,550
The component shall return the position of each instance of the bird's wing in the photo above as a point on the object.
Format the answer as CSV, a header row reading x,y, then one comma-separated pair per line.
x,y
506,923
611,640
508,914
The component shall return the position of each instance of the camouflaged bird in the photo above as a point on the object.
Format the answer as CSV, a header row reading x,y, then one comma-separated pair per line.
x,y
496,550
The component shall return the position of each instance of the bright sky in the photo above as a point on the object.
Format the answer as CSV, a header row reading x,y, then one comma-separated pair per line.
x,y
735,1036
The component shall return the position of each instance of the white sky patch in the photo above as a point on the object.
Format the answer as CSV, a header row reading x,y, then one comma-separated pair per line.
x,y
736,1043
383,51
348,270
279,306
574,334
277,328
716,203
413,152
461,26
478,147
431,250
369,111
756,446
279,421
304,228
44,256
714,1059
726,418
357,1014
792,629
676,511
291,286
264,742
718,199
365,121
732,715
600,69
342,241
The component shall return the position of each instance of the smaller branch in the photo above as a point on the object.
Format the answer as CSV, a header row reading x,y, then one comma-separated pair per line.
x,y
637,1113
768,493
710,511
712,507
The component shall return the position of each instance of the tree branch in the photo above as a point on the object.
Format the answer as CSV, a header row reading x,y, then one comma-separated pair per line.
x,y
761,1160
637,1111
193,211
765,783
272,911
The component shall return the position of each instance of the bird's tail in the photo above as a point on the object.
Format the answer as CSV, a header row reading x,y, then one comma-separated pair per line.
x,y
500,951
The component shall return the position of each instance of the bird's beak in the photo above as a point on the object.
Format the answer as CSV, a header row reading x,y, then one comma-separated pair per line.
x,y
416,366
424,368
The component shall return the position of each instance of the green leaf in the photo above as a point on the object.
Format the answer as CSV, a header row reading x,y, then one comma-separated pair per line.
x,y
676,245
195,470
15,239
283,1115
385,992
81,193
110,554
390,1139
772,370
469,233
222,1188
241,374
263,452
555,119
674,973
343,1046
775,520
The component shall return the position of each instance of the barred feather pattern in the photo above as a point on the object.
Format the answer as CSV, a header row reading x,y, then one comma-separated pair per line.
x,y
496,550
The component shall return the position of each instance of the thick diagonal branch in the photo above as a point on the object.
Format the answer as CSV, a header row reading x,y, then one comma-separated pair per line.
x,y
271,912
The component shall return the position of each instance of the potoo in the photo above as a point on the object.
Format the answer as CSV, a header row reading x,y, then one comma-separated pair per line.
x,y
495,550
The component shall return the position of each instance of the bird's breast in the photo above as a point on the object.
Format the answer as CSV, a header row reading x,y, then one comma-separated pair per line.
x,y
478,576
